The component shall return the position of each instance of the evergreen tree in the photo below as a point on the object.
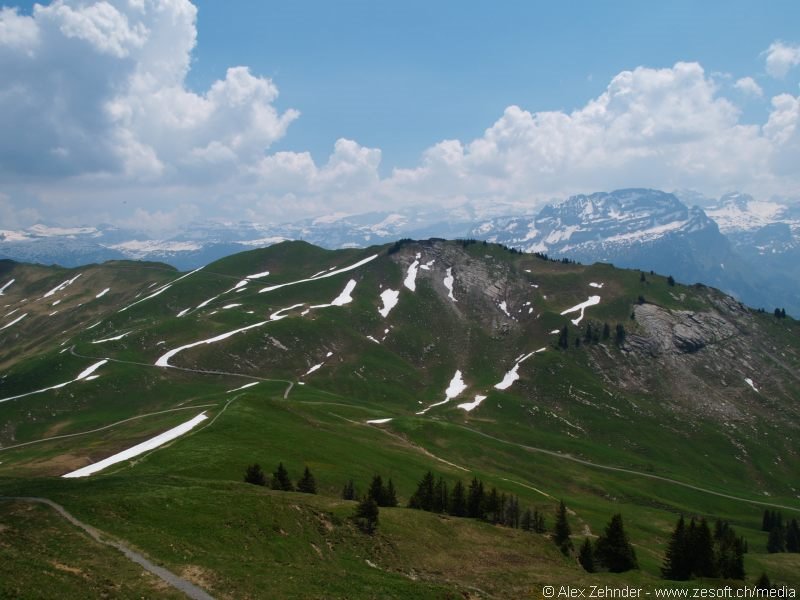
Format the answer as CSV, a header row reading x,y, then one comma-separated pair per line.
x,y
766,521
253,474
620,334
475,499
307,484
606,331
793,537
677,561
589,335
642,278
526,523
376,490
511,516
422,499
349,491
366,514
775,541
441,499
538,522
729,551
458,501
562,531
390,495
586,556
702,544
763,583
280,479
670,281
613,550
563,338
492,506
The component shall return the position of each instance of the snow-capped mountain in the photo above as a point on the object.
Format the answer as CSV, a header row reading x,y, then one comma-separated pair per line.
x,y
643,229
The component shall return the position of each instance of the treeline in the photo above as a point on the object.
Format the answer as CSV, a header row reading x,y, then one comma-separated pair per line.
x,y
593,334
695,551
782,538
475,502
280,480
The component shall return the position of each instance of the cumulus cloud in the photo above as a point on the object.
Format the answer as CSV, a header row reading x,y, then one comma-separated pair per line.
x,y
99,89
98,124
748,85
781,57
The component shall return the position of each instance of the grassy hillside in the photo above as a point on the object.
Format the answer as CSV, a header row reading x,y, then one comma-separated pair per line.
x,y
658,424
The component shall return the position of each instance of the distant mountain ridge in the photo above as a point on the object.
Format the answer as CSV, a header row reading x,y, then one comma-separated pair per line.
x,y
746,247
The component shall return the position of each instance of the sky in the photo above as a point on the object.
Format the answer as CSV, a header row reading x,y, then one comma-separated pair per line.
x,y
153,113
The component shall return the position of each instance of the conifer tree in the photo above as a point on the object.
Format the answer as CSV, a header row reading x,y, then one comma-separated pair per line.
x,y
670,281
307,484
606,331
366,514
620,334
775,541
255,475
793,536
475,499
390,494
586,556
563,338
441,498
766,521
492,506
511,516
613,549
538,522
349,491
458,501
280,479
422,499
562,531
677,561
526,523
763,583
702,544
376,490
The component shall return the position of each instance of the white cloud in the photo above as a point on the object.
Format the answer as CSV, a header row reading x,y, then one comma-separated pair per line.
x,y
748,85
97,124
781,57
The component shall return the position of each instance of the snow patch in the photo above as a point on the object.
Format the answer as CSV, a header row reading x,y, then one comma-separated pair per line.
x,y
312,369
596,285
113,339
469,406
244,387
163,360
150,444
372,339
378,421
504,307
162,289
511,376
61,286
456,386
411,275
582,307
277,316
448,283
103,293
390,298
227,306
3,289
17,320
749,382
328,274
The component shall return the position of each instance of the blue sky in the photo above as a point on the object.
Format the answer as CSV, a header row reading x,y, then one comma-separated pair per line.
x,y
152,112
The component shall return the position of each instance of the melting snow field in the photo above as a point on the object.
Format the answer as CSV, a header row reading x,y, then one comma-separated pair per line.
x,y
61,286
161,290
103,293
85,375
582,307
325,275
389,298
469,406
749,382
378,421
504,307
448,283
595,285
456,386
244,387
411,275
138,449
512,375
312,369
163,361
17,320
113,339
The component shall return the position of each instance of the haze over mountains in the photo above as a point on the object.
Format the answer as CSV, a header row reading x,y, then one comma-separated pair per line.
x,y
746,247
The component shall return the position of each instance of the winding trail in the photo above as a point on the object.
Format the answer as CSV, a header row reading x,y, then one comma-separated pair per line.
x,y
179,583
595,465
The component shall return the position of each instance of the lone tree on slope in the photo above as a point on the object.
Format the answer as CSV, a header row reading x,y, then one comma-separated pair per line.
x,y
255,475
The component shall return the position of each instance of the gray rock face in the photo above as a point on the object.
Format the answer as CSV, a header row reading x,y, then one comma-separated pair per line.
x,y
677,332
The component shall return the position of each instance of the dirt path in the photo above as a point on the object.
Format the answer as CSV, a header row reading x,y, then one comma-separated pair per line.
x,y
188,588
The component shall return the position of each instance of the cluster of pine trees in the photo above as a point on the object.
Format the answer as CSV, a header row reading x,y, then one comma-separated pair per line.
x,y
435,495
382,494
611,551
694,551
782,538
592,335
280,479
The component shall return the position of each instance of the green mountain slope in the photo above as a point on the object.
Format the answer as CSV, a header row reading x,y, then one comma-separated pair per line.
x,y
693,411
